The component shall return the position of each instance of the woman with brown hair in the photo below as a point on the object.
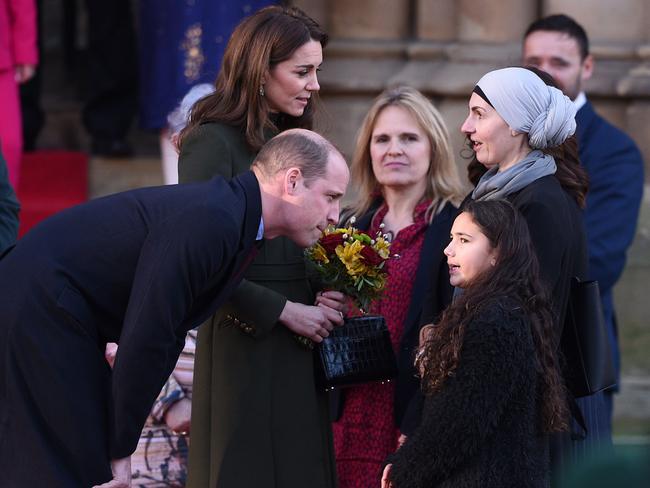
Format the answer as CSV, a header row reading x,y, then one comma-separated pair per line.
x,y
408,186
257,419
489,369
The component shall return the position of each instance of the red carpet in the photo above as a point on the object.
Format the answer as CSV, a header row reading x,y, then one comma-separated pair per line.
x,y
50,181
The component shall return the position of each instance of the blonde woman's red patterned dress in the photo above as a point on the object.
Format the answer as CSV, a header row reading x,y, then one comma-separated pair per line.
x,y
366,432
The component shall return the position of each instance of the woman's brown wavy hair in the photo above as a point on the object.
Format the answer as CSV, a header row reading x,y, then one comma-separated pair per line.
x,y
570,173
261,41
516,276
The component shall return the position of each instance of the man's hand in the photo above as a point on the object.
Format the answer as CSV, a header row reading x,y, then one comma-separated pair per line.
x,y
178,415
313,322
121,474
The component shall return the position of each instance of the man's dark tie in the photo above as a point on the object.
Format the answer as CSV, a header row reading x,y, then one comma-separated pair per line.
x,y
248,259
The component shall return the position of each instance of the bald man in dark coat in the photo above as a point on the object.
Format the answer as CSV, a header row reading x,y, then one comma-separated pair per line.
x,y
139,268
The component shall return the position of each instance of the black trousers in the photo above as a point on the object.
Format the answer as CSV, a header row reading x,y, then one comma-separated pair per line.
x,y
112,71
33,117
54,393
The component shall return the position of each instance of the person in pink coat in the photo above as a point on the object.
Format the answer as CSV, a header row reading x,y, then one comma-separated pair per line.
x,y
18,59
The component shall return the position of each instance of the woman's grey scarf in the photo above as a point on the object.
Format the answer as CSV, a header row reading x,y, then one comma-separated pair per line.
x,y
494,185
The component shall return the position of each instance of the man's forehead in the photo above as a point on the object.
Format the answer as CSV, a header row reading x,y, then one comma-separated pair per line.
x,y
550,43
337,173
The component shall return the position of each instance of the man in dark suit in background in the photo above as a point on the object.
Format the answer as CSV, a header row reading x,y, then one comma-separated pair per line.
x,y
559,45
139,268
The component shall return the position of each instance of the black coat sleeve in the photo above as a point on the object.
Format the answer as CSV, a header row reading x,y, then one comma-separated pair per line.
x,y
172,270
209,151
459,418
548,240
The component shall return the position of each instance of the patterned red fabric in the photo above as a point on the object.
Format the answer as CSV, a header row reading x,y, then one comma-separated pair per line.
x,y
366,432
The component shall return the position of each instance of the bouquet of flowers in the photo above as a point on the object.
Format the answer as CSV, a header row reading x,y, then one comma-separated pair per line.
x,y
354,263
351,262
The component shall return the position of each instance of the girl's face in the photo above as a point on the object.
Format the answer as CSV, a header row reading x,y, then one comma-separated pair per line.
x,y
399,149
288,86
469,253
491,137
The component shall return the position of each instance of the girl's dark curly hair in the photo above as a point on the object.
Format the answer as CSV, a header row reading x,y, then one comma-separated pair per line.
x,y
515,275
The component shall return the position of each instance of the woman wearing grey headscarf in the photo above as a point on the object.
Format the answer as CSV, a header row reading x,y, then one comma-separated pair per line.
x,y
521,131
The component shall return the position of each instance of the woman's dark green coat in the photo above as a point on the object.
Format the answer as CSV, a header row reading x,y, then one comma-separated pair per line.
x,y
258,420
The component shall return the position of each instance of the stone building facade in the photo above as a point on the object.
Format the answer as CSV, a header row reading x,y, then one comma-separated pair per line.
x,y
442,47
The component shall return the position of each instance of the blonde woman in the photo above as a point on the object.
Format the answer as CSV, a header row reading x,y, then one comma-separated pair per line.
x,y
407,180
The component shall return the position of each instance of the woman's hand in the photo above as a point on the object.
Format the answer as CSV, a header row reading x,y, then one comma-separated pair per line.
x,y
24,72
178,415
121,469
312,322
385,481
334,300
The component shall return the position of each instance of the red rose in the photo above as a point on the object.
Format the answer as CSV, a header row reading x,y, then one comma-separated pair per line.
x,y
330,241
370,256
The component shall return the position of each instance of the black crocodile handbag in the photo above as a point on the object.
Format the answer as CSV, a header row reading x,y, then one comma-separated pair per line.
x,y
357,352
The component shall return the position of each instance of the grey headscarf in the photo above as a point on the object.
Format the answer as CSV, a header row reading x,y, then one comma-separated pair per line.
x,y
528,105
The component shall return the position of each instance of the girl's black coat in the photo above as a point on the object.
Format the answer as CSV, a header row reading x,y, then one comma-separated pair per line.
x,y
481,428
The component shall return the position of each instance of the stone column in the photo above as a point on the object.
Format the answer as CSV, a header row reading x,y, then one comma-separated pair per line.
x,y
638,121
503,21
605,20
316,9
369,19
436,20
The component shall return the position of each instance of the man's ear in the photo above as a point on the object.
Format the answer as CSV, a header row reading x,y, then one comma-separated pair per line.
x,y
587,68
292,180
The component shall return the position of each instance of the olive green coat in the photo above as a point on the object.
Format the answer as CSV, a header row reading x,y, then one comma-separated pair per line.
x,y
257,419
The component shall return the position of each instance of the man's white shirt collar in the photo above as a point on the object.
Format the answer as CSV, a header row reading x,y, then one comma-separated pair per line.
x,y
260,230
580,100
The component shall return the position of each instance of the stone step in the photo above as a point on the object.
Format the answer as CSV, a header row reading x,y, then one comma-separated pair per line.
x,y
111,175
633,400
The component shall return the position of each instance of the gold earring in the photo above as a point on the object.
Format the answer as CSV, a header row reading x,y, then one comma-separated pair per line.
x,y
261,90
